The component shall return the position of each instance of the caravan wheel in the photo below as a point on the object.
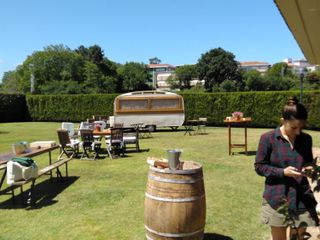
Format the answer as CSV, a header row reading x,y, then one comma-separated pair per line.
x,y
151,128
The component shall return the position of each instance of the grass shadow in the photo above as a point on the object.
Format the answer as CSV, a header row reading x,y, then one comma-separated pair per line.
x,y
3,132
43,194
249,153
215,236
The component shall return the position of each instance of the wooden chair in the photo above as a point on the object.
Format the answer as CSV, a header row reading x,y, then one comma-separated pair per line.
x,y
115,142
89,145
68,146
131,138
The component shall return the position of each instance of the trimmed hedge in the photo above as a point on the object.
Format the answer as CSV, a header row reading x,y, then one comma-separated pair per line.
x,y
13,108
264,107
73,108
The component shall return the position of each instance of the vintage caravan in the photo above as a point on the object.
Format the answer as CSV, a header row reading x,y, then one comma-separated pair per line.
x,y
150,108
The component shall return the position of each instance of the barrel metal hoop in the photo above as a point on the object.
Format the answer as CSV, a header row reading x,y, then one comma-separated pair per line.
x,y
170,180
175,200
173,235
166,190
182,172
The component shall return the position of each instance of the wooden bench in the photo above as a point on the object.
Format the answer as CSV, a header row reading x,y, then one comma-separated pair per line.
x,y
44,171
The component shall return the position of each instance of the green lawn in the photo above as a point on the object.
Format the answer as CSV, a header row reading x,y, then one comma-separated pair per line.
x,y
104,199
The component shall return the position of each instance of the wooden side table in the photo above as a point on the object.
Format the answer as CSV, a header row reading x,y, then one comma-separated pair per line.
x,y
242,121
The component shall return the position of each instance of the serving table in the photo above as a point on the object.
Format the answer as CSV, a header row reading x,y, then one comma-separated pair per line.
x,y
237,122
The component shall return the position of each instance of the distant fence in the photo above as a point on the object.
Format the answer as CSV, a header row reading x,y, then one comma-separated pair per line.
x,y
263,107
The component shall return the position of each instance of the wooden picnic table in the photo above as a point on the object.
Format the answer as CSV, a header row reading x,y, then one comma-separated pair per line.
x,y
5,157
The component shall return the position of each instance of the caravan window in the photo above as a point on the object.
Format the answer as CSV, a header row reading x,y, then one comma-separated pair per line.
x,y
165,104
133,104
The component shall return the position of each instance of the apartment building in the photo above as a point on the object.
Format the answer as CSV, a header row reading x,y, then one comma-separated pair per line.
x,y
261,67
159,75
300,66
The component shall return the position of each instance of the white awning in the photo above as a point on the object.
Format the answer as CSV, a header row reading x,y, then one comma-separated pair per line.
x,y
303,19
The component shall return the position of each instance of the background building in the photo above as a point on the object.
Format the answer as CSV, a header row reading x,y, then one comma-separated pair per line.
x,y
261,67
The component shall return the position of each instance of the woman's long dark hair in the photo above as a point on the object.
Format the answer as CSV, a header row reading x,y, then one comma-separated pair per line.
x,y
294,110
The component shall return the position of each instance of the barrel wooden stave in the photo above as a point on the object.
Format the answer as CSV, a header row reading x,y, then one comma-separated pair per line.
x,y
175,206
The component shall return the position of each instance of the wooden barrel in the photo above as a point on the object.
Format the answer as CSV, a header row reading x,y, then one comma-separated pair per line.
x,y
175,205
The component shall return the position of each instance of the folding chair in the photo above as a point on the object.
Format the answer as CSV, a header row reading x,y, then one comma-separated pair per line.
x,y
131,138
115,141
68,146
89,145
69,126
146,132
202,125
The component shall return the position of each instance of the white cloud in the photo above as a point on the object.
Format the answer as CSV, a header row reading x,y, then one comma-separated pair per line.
x,y
1,61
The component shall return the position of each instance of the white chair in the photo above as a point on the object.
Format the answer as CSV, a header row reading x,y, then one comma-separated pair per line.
x,y
86,125
69,126
102,124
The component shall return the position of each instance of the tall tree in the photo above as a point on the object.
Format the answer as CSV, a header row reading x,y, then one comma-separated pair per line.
x,y
134,76
154,60
54,63
95,55
217,65
254,81
10,83
184,75
280,69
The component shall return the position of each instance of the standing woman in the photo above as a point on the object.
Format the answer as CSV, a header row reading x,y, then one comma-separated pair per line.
x,y
281,157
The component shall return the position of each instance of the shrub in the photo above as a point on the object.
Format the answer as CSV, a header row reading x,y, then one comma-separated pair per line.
x,y
263,107
13,108
73,108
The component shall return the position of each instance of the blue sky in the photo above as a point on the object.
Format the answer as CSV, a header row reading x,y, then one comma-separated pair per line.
x,y
175,31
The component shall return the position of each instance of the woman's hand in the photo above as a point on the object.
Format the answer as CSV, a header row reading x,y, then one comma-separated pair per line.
x,y
291,172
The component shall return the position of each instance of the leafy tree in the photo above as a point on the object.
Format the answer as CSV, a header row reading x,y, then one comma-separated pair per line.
x,y
93,77
111,84
277,83
61,87
195,89
254,81
58,69
228,86
216,66
280,69
10,83
96,82
95,55
312,81
313,78
134,76
54,63
154,60
185,74
173,82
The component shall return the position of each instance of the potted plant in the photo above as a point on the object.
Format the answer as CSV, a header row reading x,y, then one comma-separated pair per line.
x,y
237,115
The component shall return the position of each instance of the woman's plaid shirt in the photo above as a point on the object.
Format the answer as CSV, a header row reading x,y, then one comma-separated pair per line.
x,y
274,154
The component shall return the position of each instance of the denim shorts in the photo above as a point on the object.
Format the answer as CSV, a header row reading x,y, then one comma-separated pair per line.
x,y
271,217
